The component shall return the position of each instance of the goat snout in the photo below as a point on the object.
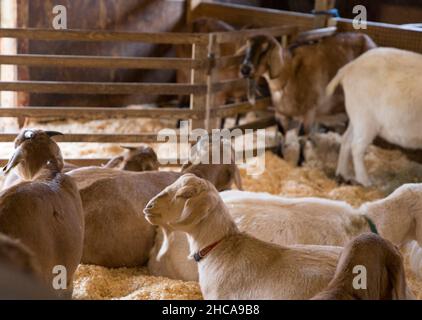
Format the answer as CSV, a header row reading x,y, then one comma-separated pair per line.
x,y
148,208
246,70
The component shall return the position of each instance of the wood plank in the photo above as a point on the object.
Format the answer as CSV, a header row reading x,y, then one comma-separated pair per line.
x,y
258,124
69,87
243,35
87,162
100,62
246,15
98,113
95,138
321,20
231,110
86,35
229,85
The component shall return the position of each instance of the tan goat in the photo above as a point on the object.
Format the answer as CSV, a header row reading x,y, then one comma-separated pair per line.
x,y
298,76
234,265
45,211
382,264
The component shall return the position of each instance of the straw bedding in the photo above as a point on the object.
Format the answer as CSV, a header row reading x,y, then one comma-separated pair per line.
x,y
390,169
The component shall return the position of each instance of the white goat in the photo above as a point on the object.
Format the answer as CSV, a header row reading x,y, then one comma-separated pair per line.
x,y
386,279
44,213
383,98
233,265
286,221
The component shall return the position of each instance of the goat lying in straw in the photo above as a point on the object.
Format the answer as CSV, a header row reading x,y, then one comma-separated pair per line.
x,y
316,221
234,265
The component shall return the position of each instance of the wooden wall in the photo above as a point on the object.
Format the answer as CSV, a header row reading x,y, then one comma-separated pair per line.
x,y
122,15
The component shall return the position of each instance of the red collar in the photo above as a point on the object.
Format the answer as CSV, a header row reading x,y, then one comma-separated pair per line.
x,y
198,256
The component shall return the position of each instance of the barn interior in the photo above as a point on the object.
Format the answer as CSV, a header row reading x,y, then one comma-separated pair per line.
x,y
99,106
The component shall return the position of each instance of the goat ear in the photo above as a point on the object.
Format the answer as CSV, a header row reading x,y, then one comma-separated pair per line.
x,y
186,192
17,157
275,62
194,211
53,133
113,163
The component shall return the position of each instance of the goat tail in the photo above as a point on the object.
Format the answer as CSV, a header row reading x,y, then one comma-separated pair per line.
x,y
332,86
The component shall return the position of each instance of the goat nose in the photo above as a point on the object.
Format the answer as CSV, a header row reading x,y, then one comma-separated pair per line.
x,y
246,70
149,206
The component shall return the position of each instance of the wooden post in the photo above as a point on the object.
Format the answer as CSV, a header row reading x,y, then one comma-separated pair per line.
x,y
198,102
322,21
190,6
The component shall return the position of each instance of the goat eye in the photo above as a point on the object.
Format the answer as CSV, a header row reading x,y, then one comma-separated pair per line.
x,y
28,134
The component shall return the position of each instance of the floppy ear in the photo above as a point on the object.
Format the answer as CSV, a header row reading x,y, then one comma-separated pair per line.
x,y
186,192
194,211
17,157
275,62
114,162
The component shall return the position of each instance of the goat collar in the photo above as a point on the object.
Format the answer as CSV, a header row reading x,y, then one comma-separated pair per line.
x,y
201,254
371,224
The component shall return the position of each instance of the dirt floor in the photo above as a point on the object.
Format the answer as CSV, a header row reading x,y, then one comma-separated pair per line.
x,y
389,170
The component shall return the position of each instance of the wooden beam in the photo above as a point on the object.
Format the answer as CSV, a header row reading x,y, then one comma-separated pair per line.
x,y
95,138
321,21
67,61
260,17
191,5
93,113
85,35
69,87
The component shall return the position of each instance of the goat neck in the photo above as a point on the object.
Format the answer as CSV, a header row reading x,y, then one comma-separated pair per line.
x,y
217,225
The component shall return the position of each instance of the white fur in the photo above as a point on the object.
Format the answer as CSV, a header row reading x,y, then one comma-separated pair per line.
x,y
287,221
383,98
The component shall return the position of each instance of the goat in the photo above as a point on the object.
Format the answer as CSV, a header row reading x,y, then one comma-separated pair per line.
x,y
115,234
233,265
298,76
383,98
286,221
383,276
142,158
45,211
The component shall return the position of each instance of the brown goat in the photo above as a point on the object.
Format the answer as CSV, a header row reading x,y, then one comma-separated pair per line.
x,y
384,267
298,76
45,211
116,233
142,158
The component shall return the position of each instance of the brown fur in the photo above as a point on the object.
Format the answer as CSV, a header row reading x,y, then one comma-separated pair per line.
x,y
18,256
116,232
385,271
303,72
44,213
